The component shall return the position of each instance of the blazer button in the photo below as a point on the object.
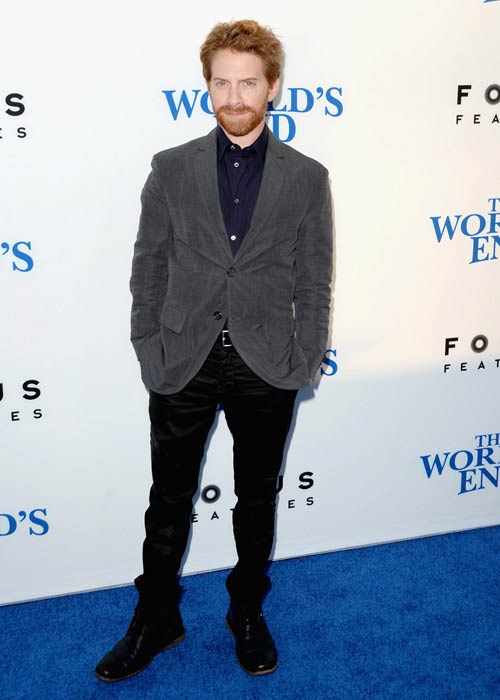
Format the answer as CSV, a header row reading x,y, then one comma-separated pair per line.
x,y
231,272
217,315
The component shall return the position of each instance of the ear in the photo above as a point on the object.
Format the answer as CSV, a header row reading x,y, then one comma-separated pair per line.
x,y
273,90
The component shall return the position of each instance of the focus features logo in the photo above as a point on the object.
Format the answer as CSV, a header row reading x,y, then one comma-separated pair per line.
x,y
476,468
295,500
478,345
13,108
31,523
282,119
29,391
482,104
482,230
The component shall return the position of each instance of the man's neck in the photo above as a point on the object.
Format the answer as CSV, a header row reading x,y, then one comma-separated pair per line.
x,y
244,141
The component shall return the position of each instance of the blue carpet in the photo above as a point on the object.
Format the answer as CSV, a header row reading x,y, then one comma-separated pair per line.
x,y
417,619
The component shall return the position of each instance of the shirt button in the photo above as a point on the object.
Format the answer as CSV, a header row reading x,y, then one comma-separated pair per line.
x,y
236,201
236,165
233,238
233,147
217,315
231,272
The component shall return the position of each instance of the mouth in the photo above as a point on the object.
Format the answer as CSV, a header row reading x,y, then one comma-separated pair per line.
x,y
236,113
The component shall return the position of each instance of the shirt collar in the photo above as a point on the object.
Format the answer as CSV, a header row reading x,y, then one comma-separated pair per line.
x,y
259,145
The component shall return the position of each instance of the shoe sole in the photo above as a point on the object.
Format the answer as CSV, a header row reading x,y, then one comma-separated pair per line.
x,y
252,673
131,675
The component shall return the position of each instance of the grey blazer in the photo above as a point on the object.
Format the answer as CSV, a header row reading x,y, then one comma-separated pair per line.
x,y
274,293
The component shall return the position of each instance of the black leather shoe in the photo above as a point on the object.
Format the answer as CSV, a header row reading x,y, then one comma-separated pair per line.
x,y
142,641
255,649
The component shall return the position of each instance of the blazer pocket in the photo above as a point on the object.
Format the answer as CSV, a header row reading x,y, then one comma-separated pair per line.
x,y
172,318
280,331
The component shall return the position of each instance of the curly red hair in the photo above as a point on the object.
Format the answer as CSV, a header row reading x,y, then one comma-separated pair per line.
x,y
244,35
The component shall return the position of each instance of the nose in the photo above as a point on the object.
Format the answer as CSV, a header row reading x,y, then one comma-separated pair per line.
x,y
235,95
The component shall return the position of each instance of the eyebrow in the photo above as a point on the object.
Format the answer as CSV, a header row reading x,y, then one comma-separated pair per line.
x,y
215,77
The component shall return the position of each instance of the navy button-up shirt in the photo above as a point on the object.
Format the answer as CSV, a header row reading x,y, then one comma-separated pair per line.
x,y
239,174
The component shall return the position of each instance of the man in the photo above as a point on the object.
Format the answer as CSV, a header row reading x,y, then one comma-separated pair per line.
x,y
231,292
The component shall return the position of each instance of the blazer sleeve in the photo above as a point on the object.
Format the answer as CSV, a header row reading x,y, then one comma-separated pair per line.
x,y
314,260
148,283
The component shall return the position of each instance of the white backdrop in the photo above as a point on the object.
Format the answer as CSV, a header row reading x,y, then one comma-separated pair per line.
x,y
87,95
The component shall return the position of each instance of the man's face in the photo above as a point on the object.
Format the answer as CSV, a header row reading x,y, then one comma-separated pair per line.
x,y
240,92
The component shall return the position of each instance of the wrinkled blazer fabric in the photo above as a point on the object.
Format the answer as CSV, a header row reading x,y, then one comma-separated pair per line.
x,y
185,283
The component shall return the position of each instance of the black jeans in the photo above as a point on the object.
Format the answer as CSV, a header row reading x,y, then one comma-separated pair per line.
x,y
258,416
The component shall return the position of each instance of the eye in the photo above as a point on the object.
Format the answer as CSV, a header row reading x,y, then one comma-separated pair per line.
x,y
250,83
220,83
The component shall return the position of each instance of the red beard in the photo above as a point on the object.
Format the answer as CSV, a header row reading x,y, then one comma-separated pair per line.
x,y
240,126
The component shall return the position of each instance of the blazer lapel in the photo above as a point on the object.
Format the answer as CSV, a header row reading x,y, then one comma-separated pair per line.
x,y
272,182
205,165
206,178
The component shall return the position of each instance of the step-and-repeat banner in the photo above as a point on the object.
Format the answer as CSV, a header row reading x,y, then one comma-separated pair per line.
x,y
400,435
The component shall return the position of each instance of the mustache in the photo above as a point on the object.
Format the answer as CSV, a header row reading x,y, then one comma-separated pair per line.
x,y
227,109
